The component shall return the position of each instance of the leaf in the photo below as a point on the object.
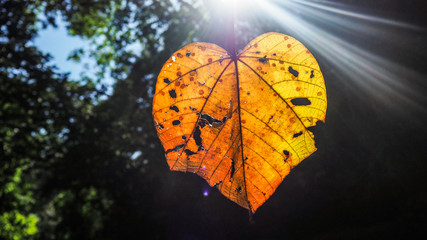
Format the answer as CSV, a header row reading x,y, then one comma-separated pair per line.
x,y
241,123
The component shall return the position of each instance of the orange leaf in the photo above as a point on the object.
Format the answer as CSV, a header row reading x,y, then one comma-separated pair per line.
x,y
240,122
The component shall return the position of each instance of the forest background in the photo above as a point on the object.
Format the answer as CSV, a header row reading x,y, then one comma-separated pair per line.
x,y
79,155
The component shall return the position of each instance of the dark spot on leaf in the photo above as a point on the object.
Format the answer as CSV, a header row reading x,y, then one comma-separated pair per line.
x,y
297,134
216,184
166,80
160,126
286,152
263,60
176,122
293,71
257,52
172,93
175,149
192,109
188,54
184,137
189,152
238,189
312,74
274,54
175,108
300,101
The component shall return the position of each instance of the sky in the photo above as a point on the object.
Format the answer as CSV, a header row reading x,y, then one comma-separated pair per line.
x,y
59,44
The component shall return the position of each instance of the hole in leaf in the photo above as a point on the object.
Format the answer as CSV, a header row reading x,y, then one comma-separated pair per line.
x,y
172,93
206,119
175,149
175,108
176,122
312,74
188,54
297,134
209,119
232,169
197,138
314,129
166,80
263,60
318,132
160,126
286,152
293,71
189,152
300,101
216,184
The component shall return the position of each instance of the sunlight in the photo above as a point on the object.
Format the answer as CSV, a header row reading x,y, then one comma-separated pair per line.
x,y
234,4
321,26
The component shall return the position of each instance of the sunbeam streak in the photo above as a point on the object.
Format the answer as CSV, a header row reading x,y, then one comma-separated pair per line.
x,y
373,75
356,15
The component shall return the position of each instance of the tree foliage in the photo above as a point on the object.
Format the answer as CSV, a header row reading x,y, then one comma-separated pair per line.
x,y
53,127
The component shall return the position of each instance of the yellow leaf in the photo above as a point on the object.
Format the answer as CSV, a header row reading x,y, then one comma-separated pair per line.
x,y
240,122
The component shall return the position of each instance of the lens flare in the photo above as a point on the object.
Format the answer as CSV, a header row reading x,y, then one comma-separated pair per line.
x,y
205,193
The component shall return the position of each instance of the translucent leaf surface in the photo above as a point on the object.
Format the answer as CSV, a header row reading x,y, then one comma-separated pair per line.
x,y
240,122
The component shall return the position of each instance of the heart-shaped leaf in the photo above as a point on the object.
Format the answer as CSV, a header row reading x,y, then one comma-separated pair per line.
x,y
240,122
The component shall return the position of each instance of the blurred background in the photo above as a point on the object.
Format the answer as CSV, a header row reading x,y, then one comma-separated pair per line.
x,y
79,155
